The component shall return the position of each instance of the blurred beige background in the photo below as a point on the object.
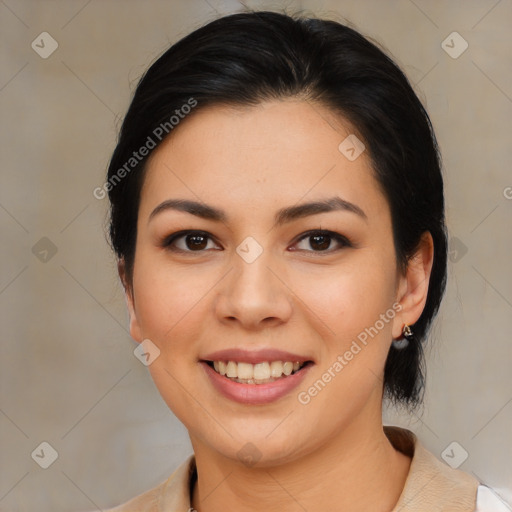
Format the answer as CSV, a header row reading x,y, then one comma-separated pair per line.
x,y
68,373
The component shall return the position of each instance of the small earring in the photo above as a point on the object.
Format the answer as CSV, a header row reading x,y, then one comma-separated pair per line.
x,y
407,332
407,336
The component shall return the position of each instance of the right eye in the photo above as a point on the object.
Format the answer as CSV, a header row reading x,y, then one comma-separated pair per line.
x,y
187,241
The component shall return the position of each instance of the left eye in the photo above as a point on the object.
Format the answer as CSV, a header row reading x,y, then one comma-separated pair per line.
x,y
320,241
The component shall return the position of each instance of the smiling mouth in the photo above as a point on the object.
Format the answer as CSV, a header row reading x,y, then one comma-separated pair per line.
x,y
260,373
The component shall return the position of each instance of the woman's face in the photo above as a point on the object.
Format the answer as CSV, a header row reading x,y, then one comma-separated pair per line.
x,y
258,283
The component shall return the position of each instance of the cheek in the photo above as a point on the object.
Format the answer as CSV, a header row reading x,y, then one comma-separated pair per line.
x,y
171,309
351,298
355,307
170,302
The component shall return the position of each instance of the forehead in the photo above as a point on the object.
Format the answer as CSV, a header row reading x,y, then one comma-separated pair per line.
x,y
273,153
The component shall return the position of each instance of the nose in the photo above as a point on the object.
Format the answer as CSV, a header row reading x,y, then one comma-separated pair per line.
x,y
254,295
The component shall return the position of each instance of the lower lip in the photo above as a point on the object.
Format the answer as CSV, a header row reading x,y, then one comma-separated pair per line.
x,y
255,393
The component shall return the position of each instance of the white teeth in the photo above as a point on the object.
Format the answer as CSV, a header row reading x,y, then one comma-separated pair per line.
x,y
256,373
261,371
231,369
276,369
245,371
287,368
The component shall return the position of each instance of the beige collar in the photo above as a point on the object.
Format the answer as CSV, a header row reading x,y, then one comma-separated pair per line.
x,y
431,485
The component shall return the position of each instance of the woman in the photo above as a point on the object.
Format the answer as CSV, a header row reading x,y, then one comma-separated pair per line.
x,y
277,212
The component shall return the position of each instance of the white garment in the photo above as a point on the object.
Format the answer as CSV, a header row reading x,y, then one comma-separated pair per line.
x,y
487,501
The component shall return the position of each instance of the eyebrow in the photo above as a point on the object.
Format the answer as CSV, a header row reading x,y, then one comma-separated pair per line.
x,y
283,216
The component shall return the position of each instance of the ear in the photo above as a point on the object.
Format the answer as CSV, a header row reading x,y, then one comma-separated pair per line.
x,y
135,330
413,286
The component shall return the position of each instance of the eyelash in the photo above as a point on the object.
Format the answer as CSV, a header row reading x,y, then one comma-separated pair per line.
x,y
169,240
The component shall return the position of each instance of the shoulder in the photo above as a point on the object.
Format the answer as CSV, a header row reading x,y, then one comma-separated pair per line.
x,y
431,484
145,502
172,494
487,501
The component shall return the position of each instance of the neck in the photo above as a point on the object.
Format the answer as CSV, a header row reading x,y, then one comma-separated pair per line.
x,y
357,470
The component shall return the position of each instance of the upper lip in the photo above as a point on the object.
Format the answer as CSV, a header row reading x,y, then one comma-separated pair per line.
x,y
254,356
